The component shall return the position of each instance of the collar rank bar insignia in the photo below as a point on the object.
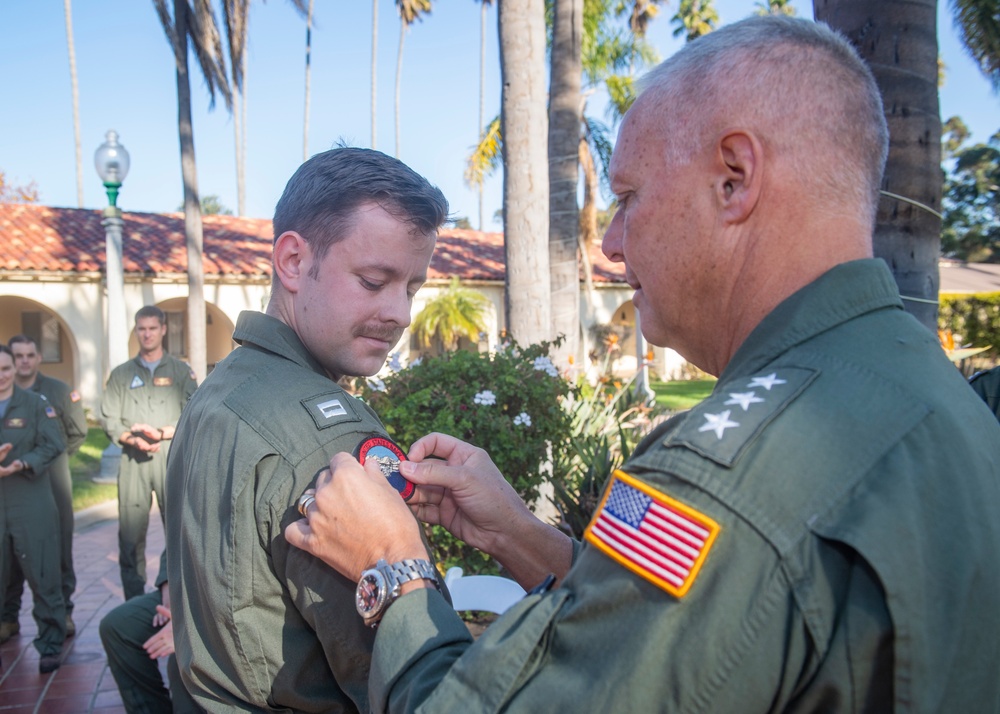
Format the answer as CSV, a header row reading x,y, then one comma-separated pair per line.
x,y
656,537
388,455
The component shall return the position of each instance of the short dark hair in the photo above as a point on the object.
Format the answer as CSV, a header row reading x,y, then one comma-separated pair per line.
x,y
5,350
21,340
321,198
151,311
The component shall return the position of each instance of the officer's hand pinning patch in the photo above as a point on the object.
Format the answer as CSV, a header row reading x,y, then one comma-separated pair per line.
x,y
651,534
388,455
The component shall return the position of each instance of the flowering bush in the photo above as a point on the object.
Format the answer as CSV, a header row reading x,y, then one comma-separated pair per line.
x,y
507,402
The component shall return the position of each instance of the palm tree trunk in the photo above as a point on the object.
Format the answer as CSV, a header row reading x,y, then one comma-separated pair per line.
x,y
241,179
305,122
525,206
898,39
374,56
238,142
192,207
482,90
399,76
68,7
564,172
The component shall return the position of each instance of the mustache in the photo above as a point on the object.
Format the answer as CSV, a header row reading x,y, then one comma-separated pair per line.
x,y
379,331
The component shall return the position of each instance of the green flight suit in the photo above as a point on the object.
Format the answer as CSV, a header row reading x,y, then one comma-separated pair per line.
x,y
837,536
28,510
73,427
259,624
987,386
123,631
134,396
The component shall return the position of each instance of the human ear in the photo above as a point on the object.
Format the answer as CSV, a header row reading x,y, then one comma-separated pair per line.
x,y
290,258
738,183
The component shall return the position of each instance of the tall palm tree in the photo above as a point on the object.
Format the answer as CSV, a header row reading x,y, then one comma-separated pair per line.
x,y
978,22
898,39
483,6
374,57
565,113
68,7
237,19
525,208
305,121
198,25
409,12
237,14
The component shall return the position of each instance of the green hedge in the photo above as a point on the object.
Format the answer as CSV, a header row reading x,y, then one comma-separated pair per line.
x,y
974,320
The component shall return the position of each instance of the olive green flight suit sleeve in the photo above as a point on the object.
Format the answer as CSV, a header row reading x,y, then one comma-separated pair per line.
x,y
113,406
43,443
737,641
74,422
324,598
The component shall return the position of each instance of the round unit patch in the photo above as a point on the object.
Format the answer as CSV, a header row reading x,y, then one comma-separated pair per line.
x,y
388,455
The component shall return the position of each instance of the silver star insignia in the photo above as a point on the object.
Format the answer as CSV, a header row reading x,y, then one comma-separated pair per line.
x,y
718,423
766,382
743,399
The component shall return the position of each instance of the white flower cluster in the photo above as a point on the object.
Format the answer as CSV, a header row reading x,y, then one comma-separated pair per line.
x,y
522,419
376,384
486,398
395,361
545,364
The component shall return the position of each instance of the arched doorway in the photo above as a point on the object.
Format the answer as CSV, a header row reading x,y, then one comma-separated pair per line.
x,y
57,344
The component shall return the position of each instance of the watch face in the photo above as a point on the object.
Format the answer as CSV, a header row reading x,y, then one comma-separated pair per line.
x,y
371,594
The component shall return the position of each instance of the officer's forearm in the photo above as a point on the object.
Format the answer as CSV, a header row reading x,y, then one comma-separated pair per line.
x,y
533,550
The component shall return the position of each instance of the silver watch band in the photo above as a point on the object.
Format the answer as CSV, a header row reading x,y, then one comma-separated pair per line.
x,y
411,569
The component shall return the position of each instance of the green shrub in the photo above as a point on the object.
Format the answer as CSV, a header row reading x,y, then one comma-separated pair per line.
x,y
507,402
606,428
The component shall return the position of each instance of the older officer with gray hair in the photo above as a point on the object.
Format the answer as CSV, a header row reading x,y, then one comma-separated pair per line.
x,y
820,534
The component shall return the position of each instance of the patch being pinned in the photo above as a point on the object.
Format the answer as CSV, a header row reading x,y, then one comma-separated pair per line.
x,y
651,534
388,455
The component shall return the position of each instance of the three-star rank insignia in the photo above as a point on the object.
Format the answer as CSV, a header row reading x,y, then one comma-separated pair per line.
x,y
387,454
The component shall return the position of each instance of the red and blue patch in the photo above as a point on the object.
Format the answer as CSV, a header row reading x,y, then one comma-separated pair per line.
x,y
388,455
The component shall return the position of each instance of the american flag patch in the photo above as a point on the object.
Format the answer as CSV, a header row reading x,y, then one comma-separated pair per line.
x,y
651,534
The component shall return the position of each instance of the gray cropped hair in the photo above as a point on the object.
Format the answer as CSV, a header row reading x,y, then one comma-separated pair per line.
x,y
799,84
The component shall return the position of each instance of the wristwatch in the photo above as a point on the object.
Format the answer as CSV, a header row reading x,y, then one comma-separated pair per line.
x,y
379,586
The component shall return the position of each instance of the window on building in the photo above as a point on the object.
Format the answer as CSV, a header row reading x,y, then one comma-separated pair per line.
x,y
44,329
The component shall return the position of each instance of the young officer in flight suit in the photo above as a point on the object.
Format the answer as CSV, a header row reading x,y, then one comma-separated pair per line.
x,y
29,442
73,426
142,402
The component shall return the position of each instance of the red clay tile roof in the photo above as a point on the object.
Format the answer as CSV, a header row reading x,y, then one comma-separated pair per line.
x,y
36,238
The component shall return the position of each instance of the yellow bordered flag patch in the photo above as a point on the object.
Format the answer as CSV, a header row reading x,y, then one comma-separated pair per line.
x,y
651,534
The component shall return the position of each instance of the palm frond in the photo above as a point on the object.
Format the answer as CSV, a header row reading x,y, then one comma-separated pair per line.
x,y
486,156
978,23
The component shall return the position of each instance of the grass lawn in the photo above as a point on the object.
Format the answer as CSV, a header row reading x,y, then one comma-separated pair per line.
x,y
677,396
83,466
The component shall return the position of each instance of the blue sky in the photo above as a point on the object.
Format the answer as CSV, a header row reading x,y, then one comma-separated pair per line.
x,y
127,83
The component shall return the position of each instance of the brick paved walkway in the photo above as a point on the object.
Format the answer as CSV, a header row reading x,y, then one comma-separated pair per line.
x,y
83,683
